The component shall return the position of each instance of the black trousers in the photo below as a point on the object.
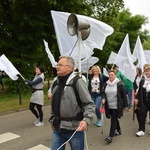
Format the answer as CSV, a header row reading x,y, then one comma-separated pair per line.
x,y
115,125
141,117
39,108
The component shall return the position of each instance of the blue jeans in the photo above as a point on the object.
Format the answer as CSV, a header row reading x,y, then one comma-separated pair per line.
x,y
97,100
76,142
130,96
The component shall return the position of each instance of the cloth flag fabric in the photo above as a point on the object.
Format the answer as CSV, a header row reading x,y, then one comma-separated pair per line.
x,y
2,67
50,55
112,58
138,52
147,55
105,72
126,65
9,69
87,63
67,43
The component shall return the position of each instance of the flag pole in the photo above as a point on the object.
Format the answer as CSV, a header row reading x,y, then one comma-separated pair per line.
x,y
112,66
22,77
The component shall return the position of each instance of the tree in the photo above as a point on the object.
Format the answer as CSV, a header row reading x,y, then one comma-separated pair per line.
x,y
25,23
146,44
124,23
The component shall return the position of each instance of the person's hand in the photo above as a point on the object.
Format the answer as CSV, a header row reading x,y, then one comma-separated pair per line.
x,y
52,127
136,102
49,95
136,92
103,101
82,126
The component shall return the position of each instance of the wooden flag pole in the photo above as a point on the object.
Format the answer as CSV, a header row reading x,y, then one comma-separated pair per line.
x,y
22,77
112,66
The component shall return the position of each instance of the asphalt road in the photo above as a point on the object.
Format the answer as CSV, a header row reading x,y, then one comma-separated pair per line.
x,y
21,123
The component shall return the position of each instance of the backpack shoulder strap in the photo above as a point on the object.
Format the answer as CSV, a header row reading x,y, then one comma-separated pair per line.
x,y
75,79
76,92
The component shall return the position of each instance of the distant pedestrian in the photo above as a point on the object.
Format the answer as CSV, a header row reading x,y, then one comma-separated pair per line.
x,y
115,99
1,79
128,87
37,98
137,80
143,101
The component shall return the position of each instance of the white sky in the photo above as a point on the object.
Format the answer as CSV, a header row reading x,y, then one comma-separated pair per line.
x,y
141,7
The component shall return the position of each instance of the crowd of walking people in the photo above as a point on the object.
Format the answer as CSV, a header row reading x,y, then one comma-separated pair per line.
x,y
74,102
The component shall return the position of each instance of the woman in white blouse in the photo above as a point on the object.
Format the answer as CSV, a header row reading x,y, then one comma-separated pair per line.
x,y
96,80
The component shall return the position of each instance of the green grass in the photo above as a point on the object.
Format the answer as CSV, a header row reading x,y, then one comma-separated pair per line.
x,y
11,102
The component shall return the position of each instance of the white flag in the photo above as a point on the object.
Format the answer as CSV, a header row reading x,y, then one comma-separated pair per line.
x,y
105,72
9,69
2,67
50,56
126,65
139,53
98,33
147,55
112,58
87,63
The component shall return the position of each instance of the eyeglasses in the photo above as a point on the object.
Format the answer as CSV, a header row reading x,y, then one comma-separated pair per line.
x,y
61,65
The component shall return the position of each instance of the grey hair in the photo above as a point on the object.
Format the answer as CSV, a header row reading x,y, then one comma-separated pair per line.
x,y
70,61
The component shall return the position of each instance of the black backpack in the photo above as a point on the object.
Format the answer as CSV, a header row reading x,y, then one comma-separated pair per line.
x,y
75,79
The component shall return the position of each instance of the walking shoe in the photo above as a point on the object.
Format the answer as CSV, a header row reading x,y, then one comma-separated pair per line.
x,y
118,132
109,139
140,133
98,123
37,121
39,124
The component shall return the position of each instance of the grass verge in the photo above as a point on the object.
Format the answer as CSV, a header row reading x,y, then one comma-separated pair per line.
x,y
10,102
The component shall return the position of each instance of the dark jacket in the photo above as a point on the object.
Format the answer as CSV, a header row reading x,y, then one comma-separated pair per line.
x,y
143,96
134,84
121,102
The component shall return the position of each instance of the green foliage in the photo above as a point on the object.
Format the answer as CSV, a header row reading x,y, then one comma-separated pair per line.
x,y
11,101
146,45
124,23
25,23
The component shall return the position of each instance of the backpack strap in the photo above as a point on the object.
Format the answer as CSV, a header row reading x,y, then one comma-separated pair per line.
x,y
75,79
76,92
79,116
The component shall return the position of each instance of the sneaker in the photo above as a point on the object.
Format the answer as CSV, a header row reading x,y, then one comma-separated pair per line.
x,y
109,139
118,132
98,123
37,121
140,133
39,124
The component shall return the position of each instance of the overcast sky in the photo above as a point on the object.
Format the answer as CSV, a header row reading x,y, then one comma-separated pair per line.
x,y
141,7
